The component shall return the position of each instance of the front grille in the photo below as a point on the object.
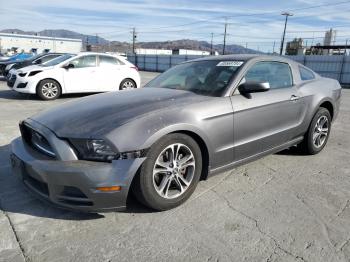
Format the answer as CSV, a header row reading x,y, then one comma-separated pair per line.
x,y
36,140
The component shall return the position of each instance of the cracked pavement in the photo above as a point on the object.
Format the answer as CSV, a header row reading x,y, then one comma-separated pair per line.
x,y
284,207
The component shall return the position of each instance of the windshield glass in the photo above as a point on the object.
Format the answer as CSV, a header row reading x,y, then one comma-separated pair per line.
x,y
57,60
209,77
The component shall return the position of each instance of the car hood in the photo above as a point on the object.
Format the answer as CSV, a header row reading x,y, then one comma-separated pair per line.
x,y
34,68
97,115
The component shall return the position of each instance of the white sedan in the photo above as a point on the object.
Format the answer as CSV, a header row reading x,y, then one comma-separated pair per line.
x,y
83,73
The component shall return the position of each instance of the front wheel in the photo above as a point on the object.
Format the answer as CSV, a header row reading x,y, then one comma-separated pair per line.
x,y
127,84
170,173
48,89
318,133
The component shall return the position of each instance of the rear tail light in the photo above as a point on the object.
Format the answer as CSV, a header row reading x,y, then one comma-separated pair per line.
x,y
135,67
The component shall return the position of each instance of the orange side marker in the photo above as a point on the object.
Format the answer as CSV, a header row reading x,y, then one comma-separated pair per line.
x,y
109,188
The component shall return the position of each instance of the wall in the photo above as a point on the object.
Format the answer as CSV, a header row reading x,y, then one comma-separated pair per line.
x,y
26,43
337,66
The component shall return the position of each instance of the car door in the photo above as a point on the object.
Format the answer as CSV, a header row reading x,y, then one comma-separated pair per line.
x,y
81,74
109,73
268,119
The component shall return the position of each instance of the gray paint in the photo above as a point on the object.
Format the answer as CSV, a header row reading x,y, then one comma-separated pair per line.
x,y
234,128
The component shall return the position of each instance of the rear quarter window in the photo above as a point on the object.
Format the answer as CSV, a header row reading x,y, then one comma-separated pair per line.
x,y
306,74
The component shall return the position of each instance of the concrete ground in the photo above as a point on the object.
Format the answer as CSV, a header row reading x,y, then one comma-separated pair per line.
x,y
284,207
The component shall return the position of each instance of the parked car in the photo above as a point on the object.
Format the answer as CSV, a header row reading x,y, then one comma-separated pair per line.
x,y
11,60
197,119
34,60
82,73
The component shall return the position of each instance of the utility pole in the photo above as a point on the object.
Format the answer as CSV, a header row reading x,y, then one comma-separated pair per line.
x,y
224,47
286,14
87,43
273,49
211,44
133,40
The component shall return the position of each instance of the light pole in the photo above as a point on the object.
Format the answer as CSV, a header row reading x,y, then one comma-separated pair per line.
x,y
286,14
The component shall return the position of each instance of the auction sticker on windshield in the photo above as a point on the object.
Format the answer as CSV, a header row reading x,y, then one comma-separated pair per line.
x,y
230,63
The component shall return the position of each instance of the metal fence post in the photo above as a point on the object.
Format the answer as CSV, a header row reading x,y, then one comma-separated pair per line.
x,y
144,62
156,63
342,69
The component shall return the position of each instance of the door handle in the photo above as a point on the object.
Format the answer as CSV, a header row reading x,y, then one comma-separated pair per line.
x,y
294,98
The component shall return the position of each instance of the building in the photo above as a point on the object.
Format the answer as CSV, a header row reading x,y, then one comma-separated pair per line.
x,y
329,38
39,44
189,52
295,47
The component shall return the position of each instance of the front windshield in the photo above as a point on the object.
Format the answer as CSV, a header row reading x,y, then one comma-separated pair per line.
x,y
57,60
209,77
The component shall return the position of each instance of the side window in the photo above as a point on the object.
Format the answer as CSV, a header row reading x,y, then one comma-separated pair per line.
x,y
109,61
48,58
277,74
84,61
306,74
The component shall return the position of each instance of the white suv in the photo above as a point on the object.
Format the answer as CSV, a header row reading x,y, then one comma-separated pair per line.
x,y
82,73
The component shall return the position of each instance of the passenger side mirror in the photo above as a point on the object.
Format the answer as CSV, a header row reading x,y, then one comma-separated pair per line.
x,y
253,87
68,66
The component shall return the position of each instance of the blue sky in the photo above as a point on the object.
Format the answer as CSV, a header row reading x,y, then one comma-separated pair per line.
x,y
254,23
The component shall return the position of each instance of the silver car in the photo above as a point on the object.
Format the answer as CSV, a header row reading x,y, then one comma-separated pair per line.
x,y
195,120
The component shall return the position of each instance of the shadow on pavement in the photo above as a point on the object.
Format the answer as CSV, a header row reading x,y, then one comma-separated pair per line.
x,y
13,95
292,151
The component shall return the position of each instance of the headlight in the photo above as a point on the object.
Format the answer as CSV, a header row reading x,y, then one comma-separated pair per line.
x,y
22,74
33,73
100,150
8,67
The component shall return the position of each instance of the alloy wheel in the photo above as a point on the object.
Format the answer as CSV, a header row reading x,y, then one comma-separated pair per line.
x,y
49,90
320,131
128,85
173,171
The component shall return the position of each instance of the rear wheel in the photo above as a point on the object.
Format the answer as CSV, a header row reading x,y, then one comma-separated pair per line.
x,y
127,84
170,173
48,89
317,136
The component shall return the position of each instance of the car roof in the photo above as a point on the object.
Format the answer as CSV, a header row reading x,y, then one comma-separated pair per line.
x,y
246,57
95,53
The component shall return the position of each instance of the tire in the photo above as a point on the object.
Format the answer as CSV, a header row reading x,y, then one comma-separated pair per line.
x,y
48,89
148,184
323,120
127,84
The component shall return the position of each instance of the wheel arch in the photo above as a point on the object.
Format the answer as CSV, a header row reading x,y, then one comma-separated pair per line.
x,y
329,106
49,78
203,147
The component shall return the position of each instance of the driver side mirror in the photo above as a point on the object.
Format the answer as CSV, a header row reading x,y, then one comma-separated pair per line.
x,y
69,66
253,87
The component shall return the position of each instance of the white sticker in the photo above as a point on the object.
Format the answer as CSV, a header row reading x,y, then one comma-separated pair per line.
x,y
230,63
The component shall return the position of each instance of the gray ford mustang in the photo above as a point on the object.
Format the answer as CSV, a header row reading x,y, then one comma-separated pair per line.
x,y
197,119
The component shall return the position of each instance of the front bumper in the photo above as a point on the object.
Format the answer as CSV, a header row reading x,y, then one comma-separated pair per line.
x,y
72,184
21,84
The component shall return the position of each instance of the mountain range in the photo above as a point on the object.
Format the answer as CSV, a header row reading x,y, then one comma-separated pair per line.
x,y
103,44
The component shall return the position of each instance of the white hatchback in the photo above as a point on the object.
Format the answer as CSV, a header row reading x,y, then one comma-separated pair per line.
x,y
83,73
